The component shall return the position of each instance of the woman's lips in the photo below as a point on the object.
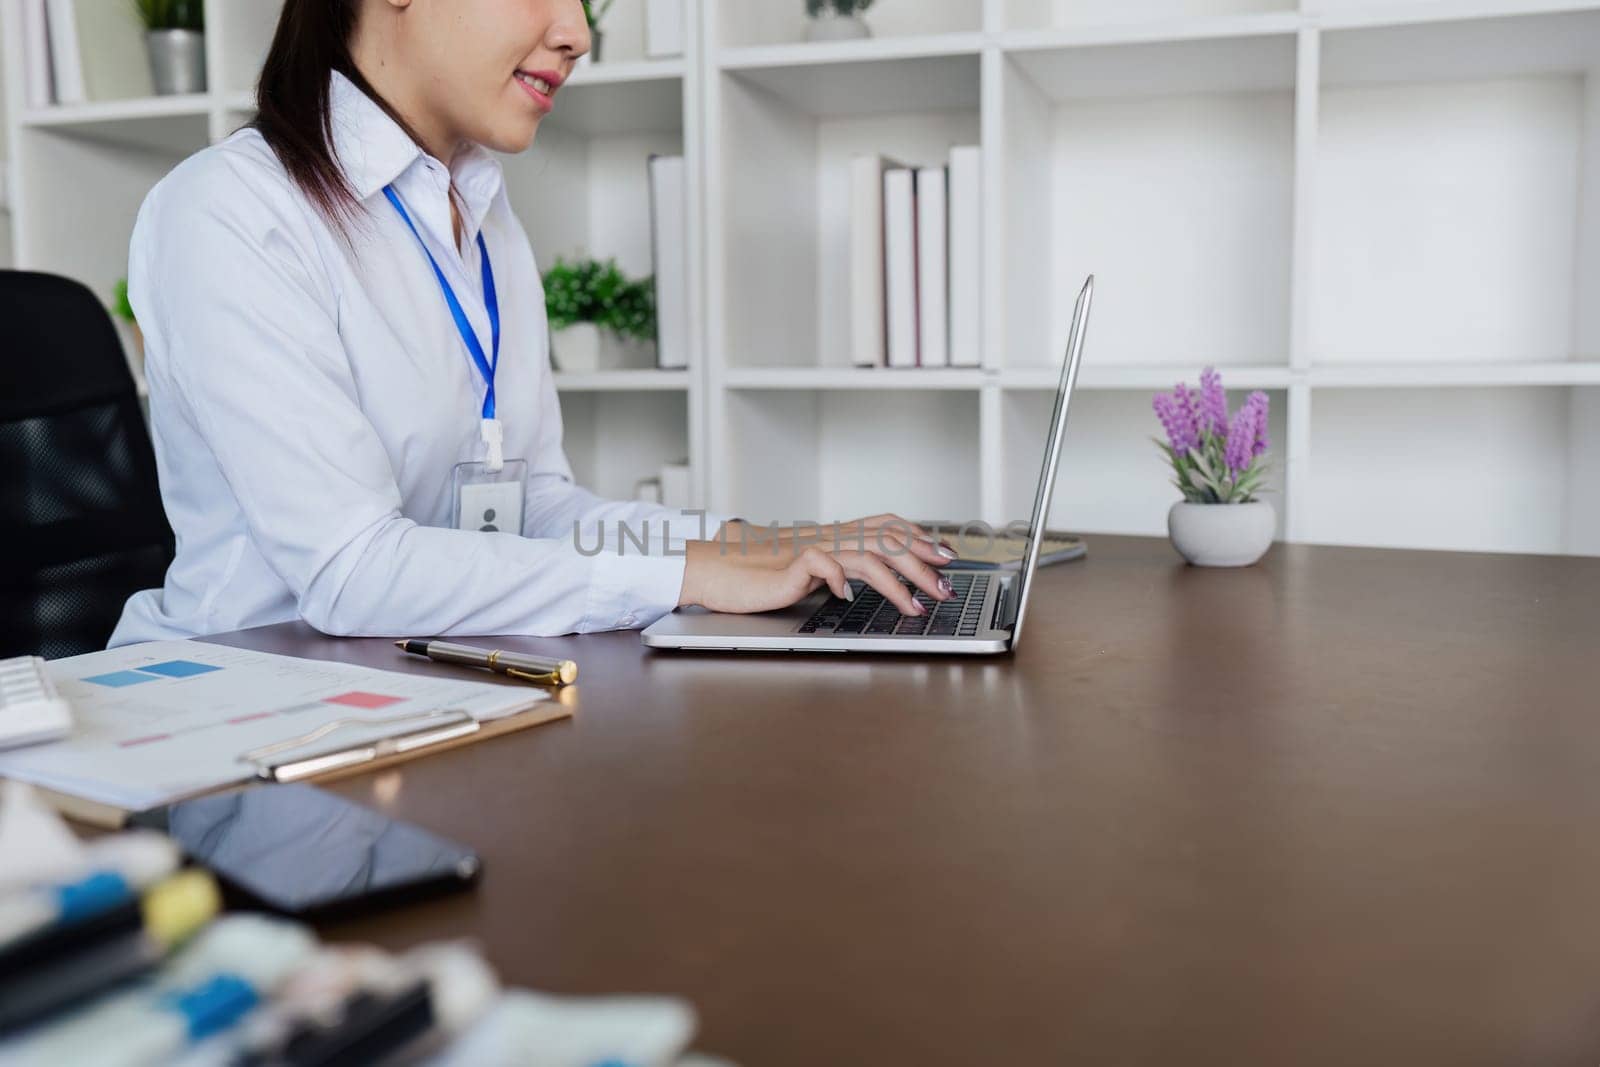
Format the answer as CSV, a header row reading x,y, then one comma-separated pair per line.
x,y
540,85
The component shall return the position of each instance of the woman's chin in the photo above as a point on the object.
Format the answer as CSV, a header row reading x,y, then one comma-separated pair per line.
x,y
511,138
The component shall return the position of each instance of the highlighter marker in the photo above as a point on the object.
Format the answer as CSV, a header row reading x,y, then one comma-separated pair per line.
x,y
170,912
116,870
232,967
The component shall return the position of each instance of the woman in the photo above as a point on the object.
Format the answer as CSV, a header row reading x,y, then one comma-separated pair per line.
x,y
350,386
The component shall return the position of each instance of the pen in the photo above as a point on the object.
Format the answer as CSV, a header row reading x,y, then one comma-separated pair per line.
x,y
171,911
515,664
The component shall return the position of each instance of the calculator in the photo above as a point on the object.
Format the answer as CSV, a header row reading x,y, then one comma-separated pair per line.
x,y
30,708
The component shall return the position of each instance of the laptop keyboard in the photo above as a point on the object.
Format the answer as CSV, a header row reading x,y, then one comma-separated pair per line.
x,y
869,613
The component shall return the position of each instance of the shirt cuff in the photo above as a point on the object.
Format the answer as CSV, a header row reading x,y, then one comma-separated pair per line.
x,y
630,589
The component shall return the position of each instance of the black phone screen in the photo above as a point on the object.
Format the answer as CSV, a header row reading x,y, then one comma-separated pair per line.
x,y
297,849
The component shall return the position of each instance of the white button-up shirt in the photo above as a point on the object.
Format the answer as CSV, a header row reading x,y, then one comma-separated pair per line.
x,y
310,396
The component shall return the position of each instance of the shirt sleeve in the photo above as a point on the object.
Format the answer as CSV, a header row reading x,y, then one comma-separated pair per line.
x,y
248,324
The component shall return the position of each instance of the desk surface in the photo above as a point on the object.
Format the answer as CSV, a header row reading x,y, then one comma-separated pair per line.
x,y
1342,807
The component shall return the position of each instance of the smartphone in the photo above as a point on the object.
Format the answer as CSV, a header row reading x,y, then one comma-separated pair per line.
x,y
300,851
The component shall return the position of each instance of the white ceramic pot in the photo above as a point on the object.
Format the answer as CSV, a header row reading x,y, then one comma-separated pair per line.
x,y
832,26
1221,535
576,349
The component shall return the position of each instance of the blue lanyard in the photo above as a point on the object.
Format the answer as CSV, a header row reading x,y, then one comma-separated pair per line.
x,y
486,367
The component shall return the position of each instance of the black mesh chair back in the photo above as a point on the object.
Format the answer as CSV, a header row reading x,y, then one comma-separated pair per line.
x,y
80,510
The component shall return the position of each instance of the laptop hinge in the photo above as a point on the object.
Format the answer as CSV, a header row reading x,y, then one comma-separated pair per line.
x,y
1002,608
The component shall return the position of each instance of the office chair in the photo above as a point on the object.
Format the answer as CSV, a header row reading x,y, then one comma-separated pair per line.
x,y
80,512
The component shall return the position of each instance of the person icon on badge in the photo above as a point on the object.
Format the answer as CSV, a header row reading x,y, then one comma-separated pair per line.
x,y
488,519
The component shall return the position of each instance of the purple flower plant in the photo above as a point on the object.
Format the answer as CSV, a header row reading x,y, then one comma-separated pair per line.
x,y
1213,402
1178,415
1215,459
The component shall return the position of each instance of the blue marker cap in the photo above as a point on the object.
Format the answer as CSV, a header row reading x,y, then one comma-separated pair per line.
x,y
213,1006
97,893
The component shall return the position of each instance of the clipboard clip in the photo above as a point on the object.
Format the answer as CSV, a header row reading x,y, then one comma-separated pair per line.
x,y
436,727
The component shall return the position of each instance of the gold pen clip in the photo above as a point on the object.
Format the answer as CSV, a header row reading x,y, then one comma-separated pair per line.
x,y
565,674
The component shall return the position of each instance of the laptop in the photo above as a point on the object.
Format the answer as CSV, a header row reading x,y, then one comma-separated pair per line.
x,y
984,617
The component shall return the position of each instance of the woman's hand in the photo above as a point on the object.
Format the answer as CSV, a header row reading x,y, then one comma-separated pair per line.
x,y
752,568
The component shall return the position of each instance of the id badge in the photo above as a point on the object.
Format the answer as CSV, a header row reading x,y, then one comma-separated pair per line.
x,y
489,501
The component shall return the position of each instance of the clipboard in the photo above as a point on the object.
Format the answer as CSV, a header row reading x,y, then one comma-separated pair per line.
x,y
170,720
559,706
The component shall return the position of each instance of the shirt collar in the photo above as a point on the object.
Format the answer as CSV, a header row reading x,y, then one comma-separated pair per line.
x,y
374,151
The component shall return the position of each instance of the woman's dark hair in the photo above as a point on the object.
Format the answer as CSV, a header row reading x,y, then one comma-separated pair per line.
x,y
293,110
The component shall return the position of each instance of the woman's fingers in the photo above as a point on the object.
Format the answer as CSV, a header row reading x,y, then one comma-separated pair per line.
x,y
821,565
891,542
917,571
875,572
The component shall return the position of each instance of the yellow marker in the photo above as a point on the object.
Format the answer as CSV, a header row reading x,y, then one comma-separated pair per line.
x,y
176,908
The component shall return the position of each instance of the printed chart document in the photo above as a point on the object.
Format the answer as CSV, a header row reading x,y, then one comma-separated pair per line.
x,y
169,719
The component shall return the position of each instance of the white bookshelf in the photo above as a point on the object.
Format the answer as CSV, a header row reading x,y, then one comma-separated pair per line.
x,y
1385,213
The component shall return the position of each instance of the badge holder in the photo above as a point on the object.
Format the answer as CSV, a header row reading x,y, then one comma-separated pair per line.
x,y
486,500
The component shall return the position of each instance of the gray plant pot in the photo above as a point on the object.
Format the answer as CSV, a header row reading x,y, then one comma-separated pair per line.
x,y
832,26
177,61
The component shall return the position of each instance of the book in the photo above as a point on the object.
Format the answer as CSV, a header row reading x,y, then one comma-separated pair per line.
x,y
111,51
966,257
900,265
669,224
66,60
933,267
868,334
663,28
39,90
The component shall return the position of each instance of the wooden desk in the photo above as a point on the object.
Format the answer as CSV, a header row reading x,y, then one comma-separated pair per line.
x,y
1340,808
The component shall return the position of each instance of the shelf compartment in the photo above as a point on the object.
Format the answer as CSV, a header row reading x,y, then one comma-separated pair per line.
x,y
242,32
589,196
614,440
648,100
1112,479
1498,470
1457,214
744,23
823,85
834,455
1175,188
780,195
1169,18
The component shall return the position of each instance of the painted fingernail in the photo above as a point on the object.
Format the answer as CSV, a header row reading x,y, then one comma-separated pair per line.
x,y
849,594
945,550
946,588
917,608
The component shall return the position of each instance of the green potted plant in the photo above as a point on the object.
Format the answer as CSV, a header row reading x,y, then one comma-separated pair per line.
x,y
594,11
837,20
123,310
175,39
586,297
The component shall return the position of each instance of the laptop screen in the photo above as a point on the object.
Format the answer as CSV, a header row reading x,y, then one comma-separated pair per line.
x,y
1052,453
